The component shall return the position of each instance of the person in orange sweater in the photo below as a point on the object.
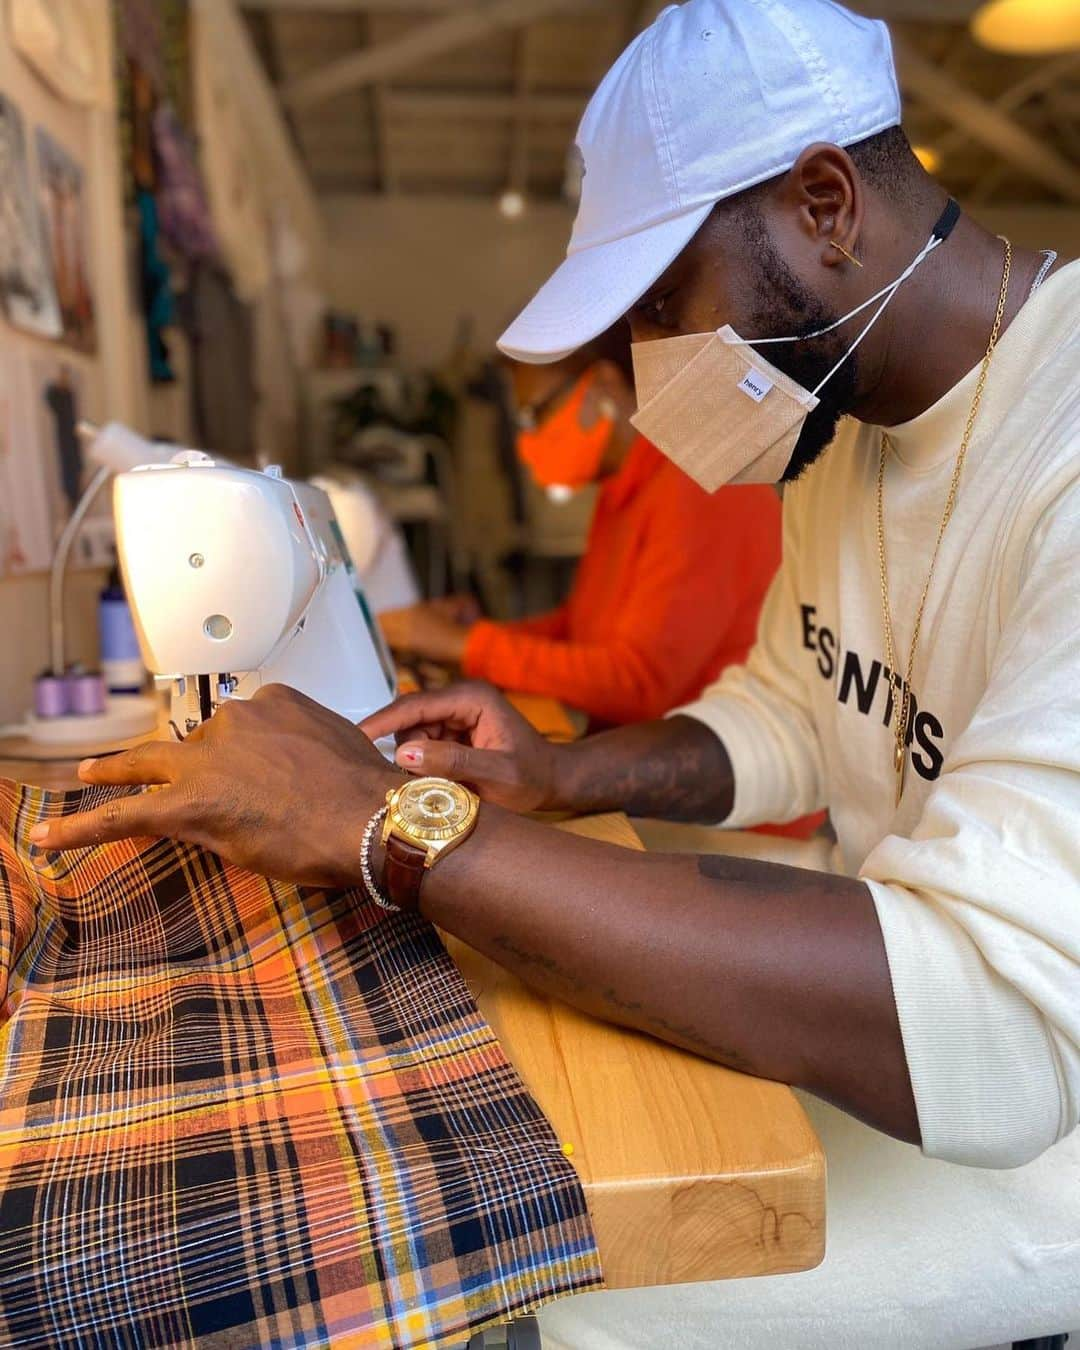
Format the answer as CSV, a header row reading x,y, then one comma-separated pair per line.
x,y
669,589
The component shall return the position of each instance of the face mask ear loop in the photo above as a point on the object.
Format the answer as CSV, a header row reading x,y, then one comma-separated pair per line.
x,y
933,243
886,291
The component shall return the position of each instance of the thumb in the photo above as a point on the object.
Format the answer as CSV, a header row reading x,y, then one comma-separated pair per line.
x,y
451,759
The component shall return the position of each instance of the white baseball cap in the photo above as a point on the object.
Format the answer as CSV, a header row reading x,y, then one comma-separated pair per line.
x,y
713,97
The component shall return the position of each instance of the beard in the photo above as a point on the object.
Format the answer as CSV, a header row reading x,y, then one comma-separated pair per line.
x,y
785,307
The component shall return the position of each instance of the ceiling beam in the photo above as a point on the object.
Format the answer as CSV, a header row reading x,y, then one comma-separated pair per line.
x,y
985,123
1066,103
388,177
436,106
387,59
1038,81
1065,117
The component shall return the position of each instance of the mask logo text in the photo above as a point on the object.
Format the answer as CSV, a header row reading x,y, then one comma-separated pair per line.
x,y
755,385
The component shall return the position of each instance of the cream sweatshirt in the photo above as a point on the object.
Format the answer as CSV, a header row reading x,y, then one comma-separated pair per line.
x,y
976,877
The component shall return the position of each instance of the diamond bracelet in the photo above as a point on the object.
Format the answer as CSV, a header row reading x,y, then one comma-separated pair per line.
x,y
370,884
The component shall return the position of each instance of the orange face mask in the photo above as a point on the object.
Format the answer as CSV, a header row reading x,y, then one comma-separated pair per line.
x,y
561,452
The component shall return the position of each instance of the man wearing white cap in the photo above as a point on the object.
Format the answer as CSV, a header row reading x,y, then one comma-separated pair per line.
x,y
749,200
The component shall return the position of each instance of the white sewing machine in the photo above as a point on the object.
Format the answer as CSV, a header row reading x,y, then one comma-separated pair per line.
x,y
239,578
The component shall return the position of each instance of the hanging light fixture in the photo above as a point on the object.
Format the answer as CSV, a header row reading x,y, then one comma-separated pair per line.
x,y
1028,27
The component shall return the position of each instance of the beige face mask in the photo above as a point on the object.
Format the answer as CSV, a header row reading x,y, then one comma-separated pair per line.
x,y
723,413
717,409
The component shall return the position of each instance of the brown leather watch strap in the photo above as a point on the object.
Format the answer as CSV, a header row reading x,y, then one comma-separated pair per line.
x,y
403,871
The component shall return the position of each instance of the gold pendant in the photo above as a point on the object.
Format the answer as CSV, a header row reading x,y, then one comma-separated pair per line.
x,y
900,765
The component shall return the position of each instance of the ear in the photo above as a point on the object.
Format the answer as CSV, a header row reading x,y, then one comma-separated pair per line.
x,y
825,192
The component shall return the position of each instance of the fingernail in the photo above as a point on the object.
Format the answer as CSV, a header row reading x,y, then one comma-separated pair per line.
x,y
86,765
38,833
410,754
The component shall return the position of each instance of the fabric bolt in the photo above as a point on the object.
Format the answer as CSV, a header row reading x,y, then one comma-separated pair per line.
x,y
220,331
60,399
237,1113
156,286
181,198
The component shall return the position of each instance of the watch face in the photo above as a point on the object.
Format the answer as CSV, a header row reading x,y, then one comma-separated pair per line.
x,y
433,808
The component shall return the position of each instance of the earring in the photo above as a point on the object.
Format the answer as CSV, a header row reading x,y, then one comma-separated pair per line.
x,y
849,256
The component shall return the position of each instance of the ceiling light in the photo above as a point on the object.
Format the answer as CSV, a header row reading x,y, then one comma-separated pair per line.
x,y
512,204
928,157
1028,27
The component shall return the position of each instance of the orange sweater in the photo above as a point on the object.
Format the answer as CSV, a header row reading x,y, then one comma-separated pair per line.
x,y
666,596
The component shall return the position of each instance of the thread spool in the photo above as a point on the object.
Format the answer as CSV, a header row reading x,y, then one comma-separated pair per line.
x,y
86,693
50,695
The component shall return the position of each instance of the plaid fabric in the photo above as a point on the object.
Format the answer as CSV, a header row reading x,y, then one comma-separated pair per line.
x,y
235,1113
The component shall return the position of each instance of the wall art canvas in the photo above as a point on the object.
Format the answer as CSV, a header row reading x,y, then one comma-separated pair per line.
x,y
25,523
63,216
26,282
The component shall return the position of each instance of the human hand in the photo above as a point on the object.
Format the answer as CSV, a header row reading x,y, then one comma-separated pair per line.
x,y
277,784
469,732
462,608
426,631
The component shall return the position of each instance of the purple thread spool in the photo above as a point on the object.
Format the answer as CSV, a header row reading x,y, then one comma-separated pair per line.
x,y
86,694
50,695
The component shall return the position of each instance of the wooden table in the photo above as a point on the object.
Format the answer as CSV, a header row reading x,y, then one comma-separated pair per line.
x,y
691,1171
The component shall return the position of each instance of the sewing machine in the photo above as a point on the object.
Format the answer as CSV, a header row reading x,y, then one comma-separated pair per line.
x,y
238,578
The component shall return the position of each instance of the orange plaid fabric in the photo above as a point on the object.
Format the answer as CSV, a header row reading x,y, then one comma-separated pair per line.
x,y
236,1113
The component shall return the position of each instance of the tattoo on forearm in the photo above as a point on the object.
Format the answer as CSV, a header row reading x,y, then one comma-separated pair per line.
x,y
537,961
633,1010
676,769
680,1031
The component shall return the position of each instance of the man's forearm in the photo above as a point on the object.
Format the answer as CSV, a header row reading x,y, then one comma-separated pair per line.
x,y
676,769
773,970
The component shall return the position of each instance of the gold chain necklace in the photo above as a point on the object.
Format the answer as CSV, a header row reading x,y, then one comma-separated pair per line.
x,y
900,689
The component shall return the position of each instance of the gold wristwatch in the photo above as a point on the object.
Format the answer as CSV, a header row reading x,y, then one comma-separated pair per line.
x,y
426,818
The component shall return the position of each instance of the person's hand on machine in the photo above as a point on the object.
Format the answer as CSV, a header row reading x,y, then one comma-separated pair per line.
x,y
470,733
461,608
435,630
276,783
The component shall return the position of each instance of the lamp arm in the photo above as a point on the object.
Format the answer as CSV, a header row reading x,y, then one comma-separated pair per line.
x,y
59,568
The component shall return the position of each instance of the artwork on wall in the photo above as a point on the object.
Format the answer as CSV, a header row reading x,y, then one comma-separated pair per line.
x,y
63,214
26,282
57,38
59,394
43,470
25,525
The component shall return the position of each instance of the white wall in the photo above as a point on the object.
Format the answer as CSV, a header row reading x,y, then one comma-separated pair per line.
x,y
420,263
108,378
